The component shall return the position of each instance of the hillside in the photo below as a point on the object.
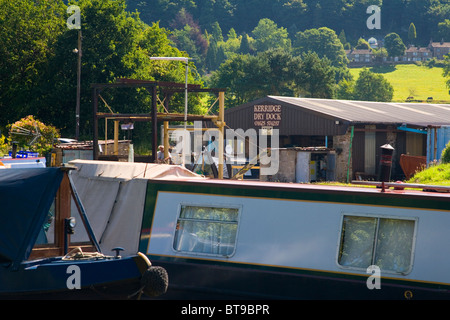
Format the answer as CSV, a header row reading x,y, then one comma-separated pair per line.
x,y
419,82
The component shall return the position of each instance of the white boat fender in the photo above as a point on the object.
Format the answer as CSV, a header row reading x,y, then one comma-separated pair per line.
x,y
155,280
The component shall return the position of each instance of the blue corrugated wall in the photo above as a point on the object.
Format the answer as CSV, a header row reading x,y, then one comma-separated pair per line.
x,y
437,139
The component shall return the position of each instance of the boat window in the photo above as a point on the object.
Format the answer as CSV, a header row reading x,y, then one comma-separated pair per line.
x,y
46,234
384,242
208,230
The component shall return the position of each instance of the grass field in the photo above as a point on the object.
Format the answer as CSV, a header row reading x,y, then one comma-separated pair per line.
x,y
408,80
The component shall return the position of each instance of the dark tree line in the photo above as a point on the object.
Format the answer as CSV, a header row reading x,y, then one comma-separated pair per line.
x,y
299,15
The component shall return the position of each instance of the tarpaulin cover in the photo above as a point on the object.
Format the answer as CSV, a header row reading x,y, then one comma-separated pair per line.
x,y
113,195
25,199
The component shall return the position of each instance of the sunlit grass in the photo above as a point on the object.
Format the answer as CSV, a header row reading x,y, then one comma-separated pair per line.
x,y
434,175
408,80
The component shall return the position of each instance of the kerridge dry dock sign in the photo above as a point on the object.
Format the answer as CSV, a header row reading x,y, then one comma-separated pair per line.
x,y
267,115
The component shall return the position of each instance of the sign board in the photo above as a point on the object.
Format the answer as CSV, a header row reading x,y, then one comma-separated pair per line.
x,y
267,115
266,131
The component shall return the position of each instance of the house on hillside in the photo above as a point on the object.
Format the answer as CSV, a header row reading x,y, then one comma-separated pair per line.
x,y
439,49
413,53
350,133
360,56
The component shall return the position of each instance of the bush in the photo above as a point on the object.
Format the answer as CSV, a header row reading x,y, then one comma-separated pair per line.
x,y
4,146
445,157
32,135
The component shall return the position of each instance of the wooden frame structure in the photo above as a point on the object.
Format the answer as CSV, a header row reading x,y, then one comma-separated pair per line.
x,y
167,89
61,241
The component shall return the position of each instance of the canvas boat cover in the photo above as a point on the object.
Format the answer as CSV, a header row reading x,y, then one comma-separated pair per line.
x,y
26,196
113,196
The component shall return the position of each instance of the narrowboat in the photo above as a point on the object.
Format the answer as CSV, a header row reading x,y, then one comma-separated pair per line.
x,y
228,239
38,260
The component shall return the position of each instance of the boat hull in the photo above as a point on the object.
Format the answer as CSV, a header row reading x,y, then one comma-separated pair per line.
x,y
288,243
109,279
192,280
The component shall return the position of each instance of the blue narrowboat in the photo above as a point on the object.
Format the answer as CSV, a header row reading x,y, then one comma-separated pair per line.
x,y
37,258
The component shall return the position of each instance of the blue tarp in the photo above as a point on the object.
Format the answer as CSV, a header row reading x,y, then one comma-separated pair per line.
x,y
25,199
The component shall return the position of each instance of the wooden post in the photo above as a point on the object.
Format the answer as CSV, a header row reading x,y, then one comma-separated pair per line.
x,y
95,123
154,125
106,137
116,137
62,208
221,125
166,139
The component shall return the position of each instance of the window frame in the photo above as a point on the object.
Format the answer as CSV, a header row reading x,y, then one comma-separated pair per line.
x,y
378,217
207,205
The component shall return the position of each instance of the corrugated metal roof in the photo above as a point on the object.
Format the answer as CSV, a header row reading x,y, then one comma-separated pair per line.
x,y
418,114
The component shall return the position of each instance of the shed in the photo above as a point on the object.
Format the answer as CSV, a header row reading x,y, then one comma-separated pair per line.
x,y
354,129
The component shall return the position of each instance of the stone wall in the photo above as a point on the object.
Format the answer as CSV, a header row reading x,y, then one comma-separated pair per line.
x,y
286,169
342,144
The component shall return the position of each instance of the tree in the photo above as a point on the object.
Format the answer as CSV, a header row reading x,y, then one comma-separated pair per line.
x,y
394,45
38,71
32,135
244,47
188,37
445,156
444,30
412,34
324,42
317,77
28,32
342,37
216,32
362,44
372,87
267,36
446,69
235,75
346,90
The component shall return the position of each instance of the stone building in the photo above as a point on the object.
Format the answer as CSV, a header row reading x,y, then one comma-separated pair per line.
x,y
348,134
439,49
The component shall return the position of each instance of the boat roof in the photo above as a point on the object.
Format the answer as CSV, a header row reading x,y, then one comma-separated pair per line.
x,y
357,187
179,174
133,170
26,195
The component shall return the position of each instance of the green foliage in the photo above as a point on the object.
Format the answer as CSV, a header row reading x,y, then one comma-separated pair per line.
x,y
31,134
433,175
444,30
372,87
268,35
446,69
394,45
428,82
346,90
115,44
412,33
28,32
445,157
317,77
324,42
274,72
362,44
4,146
368,87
